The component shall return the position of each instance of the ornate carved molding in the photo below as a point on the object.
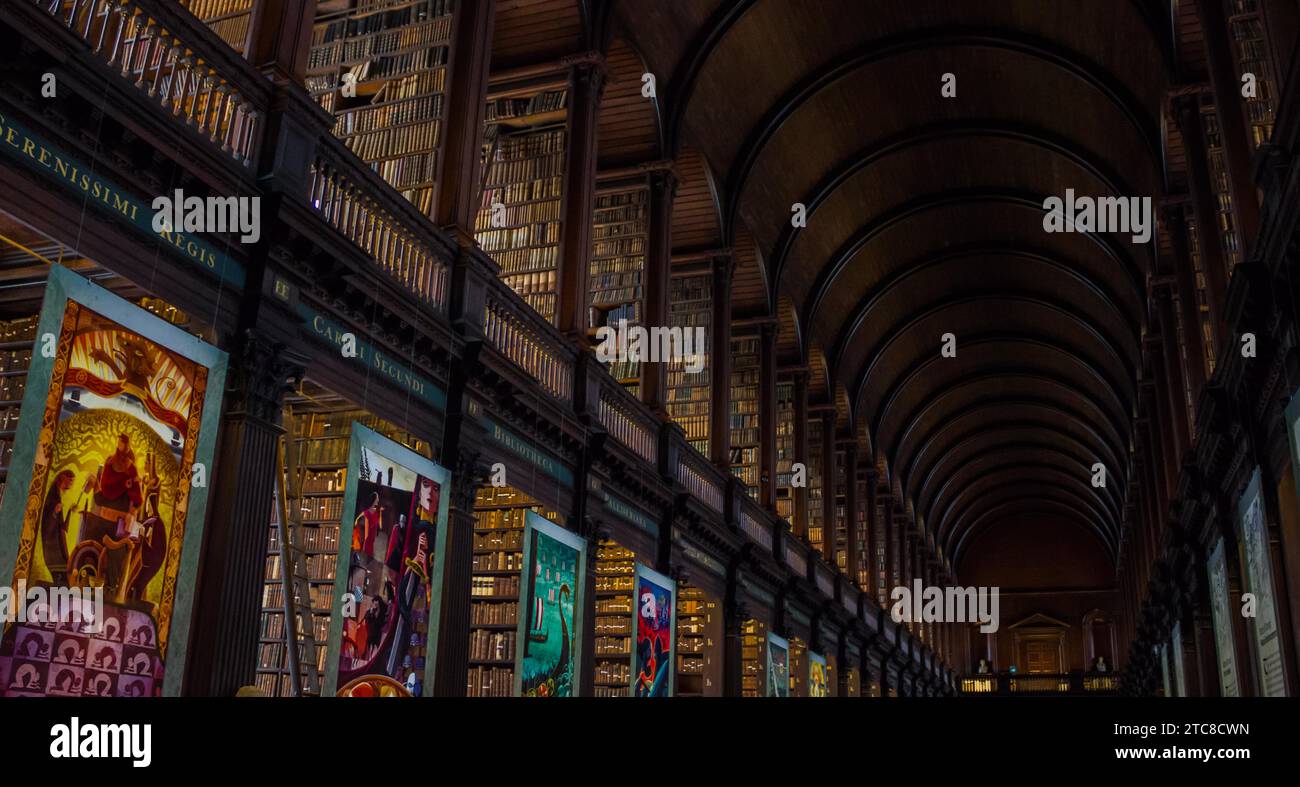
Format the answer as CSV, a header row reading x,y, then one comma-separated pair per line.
x,y
260,375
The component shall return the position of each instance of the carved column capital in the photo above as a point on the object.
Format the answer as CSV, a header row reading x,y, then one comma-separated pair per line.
x,y
261,373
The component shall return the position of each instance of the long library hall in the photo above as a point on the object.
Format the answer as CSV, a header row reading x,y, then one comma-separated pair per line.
x,y
687,348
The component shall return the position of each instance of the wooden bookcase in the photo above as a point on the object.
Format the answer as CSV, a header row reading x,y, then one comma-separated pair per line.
x,y
745,372
690,299
520,211
865,561
321,426
816,529
499,520
785,457
17,338
394,52
753,658
227,18
699,639
1250,44
841,527
615,591
619,232
798,668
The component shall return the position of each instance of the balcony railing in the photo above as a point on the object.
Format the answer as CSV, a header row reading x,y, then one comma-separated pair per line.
x,y
754,524
628,421
527,339
697,476
361,205
162,51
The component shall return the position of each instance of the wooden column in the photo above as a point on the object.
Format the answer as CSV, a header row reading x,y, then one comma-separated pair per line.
x,y
864,500
223,651
658,272
1187,113
586,83
801,416
852,560
828,486
1233,131
720,360
279,38
455,205
767,416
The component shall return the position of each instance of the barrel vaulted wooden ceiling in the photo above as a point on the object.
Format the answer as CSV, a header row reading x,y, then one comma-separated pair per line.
x,y
924,217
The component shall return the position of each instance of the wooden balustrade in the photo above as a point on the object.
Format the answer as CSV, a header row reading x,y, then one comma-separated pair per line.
x,y
628,420
796,556
755,524
697,476
529,340
161,50
364,208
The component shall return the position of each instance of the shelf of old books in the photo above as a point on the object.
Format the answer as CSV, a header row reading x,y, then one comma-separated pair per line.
x,y
852,682
816,511
227,18
745,371
699,643
798,667
785,457
315,451
519,218
612,648
17,338
690,305
618,233
864,536
754,658
500,515
380,66
841,530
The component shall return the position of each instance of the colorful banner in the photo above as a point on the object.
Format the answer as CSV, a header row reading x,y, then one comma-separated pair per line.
x,y
819,681
550,611
653,653
1221,613
1253,532
778,666
392,549
112,461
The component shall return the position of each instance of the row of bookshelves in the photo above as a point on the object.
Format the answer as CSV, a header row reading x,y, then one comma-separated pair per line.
x,y
785,458
485,645
815,500
619,227
16,338
503,109
745,370
690,304
495,587
612,646
520,211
